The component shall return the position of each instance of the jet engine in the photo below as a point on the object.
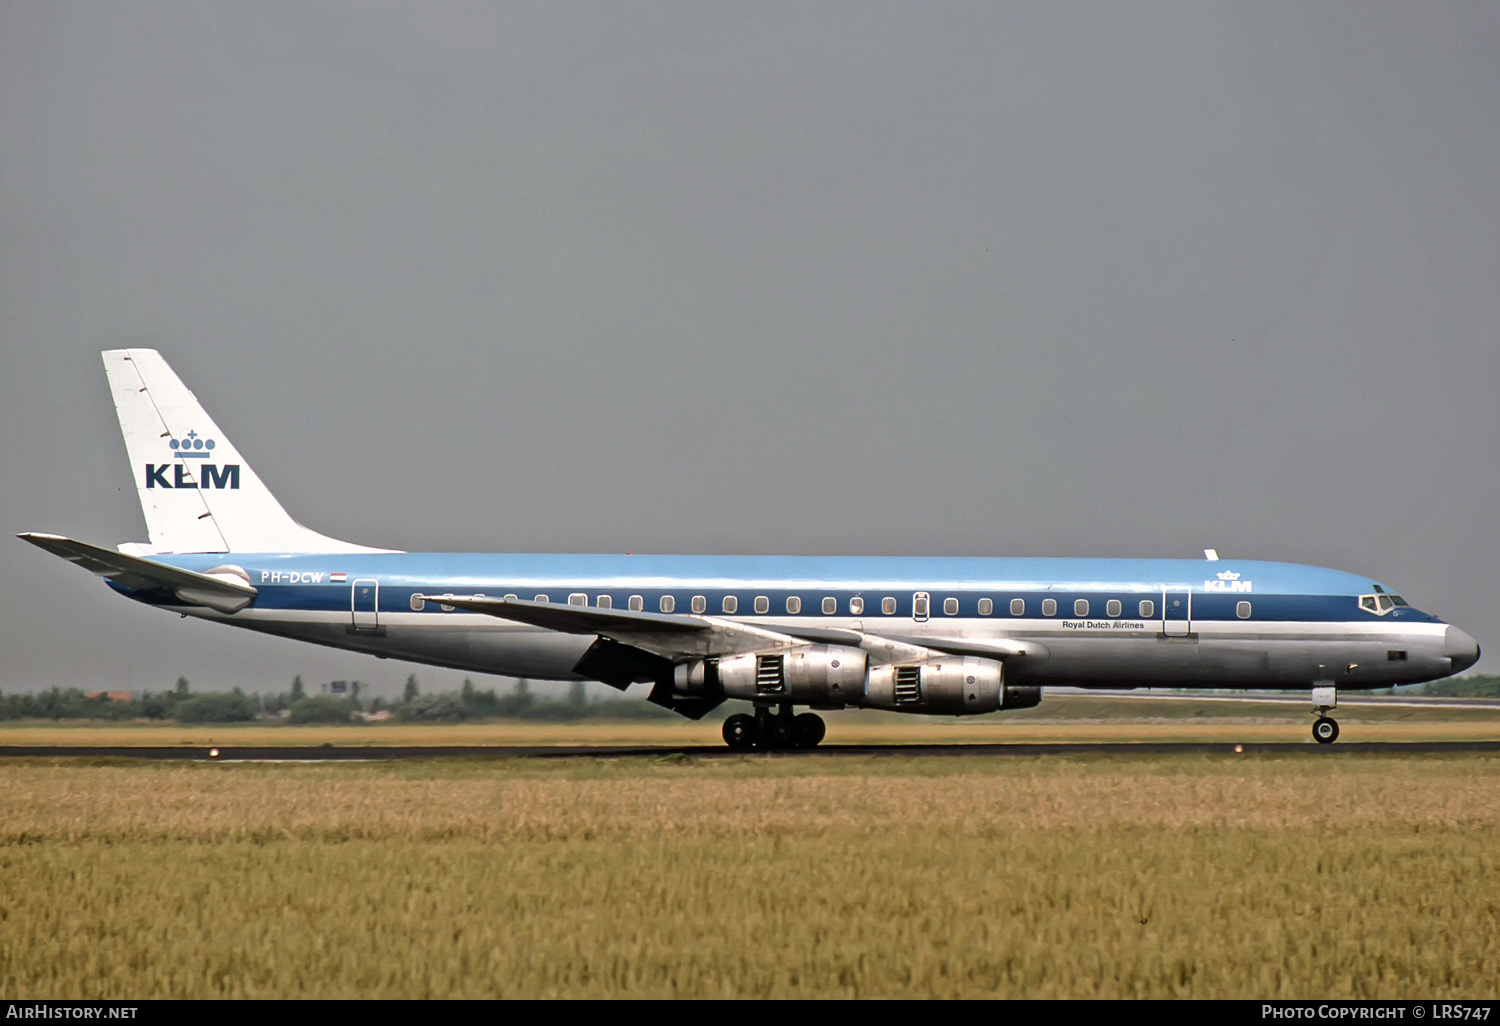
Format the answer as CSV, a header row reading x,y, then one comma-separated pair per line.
x,y
822,676
956,685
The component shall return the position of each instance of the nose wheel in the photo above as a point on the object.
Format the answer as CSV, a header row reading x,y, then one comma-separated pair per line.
x,y
774,731
1325,730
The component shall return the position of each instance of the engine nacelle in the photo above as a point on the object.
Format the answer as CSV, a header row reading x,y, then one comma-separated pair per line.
x,y
957,686
822,676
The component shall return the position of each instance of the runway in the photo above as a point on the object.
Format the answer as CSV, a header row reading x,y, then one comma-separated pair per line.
x,y
371,753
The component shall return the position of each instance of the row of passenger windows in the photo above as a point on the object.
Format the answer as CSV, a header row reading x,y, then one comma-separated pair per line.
x,y
920,605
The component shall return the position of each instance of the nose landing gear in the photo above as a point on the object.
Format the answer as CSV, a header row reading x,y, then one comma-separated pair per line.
x,y
774,731
1325,729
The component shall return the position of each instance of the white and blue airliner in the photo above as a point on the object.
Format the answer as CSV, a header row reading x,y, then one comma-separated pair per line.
x,y
942,636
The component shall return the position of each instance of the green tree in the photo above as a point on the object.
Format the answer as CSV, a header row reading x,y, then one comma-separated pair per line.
x,y
215,707
322,709
412,691
182,687
298,691
577,697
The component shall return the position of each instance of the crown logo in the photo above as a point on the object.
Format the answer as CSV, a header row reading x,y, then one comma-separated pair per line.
x,y
1229,575
192,447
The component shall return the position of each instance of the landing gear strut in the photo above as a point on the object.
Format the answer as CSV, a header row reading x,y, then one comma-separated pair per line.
x,y
773,731
1325,729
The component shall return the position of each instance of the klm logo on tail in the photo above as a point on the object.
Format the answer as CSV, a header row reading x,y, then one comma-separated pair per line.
x,y
192,448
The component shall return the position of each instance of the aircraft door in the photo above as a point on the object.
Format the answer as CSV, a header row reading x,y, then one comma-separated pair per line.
x,y
1176,613
364,604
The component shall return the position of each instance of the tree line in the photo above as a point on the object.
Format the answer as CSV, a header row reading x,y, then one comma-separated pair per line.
x,y
181,704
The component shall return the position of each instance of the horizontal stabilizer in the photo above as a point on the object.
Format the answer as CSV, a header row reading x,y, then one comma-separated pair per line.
x,y
226,592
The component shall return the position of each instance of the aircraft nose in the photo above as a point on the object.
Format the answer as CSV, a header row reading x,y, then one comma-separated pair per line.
x,y
1461,649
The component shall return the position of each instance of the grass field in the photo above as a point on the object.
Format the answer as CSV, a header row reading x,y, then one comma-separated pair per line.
x,y
1087,876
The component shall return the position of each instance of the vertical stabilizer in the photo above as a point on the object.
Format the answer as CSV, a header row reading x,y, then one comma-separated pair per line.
x,y
196,490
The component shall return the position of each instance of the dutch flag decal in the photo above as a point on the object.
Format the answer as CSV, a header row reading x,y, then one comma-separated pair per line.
x,y
338,578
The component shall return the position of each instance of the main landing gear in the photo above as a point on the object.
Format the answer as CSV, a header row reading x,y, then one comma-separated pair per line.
x,y
1325,729
773,731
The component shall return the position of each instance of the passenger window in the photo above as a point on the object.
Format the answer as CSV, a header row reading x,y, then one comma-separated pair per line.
x,y
699,603
731,604
542,598
1049,607
417,602
1242,610
986,606
888,605
1112,607
1081,607
444,606
919,607
578,599
793,604
762,604
1017,607
950,607
830,606
857,605
668,603
1148,608
604,602
511,597
636,603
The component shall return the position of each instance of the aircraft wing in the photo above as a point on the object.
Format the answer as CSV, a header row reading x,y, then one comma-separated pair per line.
x,y
670,635
678,636
225,592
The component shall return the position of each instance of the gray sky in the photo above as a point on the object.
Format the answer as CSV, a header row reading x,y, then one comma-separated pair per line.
x,y
931,279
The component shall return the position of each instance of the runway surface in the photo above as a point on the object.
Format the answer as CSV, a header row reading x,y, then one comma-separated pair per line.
x,y
329,753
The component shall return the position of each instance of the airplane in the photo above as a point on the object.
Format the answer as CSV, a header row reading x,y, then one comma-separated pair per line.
x,y
940,636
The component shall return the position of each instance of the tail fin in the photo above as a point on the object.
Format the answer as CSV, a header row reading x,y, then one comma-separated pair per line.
x,y
197,492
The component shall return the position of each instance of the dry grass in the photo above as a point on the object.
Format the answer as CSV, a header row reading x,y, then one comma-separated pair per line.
x,y
1083,877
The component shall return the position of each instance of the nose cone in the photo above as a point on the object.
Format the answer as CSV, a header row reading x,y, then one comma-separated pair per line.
x,y
1461,649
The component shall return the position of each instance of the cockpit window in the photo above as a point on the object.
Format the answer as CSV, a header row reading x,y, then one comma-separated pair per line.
x,y
1380,603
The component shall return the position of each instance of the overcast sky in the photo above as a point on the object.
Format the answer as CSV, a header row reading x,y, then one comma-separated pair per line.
x,y
927,279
